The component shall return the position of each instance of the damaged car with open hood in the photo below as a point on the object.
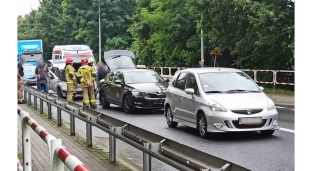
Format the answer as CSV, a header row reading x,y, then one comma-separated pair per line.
x,y
130,87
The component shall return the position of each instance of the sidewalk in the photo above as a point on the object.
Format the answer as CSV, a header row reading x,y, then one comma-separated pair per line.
x,y
282,99
39,149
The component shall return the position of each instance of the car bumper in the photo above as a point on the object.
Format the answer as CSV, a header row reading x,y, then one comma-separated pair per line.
x,y
230,123
152,103
77,94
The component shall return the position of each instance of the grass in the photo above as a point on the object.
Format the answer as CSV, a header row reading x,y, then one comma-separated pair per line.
x,y
20,157
278,91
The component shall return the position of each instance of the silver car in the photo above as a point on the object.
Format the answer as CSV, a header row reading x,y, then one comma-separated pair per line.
x,y
215,100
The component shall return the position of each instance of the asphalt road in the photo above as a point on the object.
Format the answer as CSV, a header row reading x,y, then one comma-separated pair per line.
x,y
250,150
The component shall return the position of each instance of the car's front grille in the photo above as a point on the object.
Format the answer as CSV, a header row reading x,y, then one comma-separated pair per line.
x,y
156,95
242,126
247,112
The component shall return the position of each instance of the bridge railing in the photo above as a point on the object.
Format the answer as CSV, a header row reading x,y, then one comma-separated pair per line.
x,y
173,153
59,155
254,71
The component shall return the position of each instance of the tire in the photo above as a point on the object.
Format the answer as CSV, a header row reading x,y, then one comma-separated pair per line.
x,y
126,105
169,118
267,132
59,92
202,126
105,103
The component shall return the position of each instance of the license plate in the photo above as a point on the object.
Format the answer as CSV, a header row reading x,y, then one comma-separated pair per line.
x,y
250,121
158,102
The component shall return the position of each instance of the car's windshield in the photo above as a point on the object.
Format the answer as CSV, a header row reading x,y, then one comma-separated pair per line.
x,y
29,69
121,62
34,57
227,82
134,77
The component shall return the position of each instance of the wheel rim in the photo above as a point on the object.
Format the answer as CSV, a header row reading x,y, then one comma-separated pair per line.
x,y
169,116
202,126
126,105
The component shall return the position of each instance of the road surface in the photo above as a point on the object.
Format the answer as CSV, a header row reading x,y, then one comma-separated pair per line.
x,y
250,150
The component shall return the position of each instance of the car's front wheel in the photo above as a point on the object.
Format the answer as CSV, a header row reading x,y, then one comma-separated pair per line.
x,y
126,105
202,126
105,103
169,118
267,132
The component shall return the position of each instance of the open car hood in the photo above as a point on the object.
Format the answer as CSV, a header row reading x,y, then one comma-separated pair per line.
x,y
119,59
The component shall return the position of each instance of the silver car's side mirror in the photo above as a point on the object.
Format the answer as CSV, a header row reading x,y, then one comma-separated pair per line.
x,y
261,88
189,91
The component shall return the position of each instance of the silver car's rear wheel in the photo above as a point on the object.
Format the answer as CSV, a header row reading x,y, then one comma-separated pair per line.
x,y
169,118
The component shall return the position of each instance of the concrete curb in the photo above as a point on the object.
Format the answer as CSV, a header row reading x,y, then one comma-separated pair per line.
x,y
282,99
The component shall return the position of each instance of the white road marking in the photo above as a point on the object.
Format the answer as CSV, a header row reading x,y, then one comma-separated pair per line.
x,y
279,107
287,130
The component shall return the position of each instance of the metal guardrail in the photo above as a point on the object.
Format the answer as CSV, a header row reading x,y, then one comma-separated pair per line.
x,y
173,153
255,71
58,154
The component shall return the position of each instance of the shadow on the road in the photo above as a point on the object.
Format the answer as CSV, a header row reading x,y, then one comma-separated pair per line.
x,y
230,136
137,111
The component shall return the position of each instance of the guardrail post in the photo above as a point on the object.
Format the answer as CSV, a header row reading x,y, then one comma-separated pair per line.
x,y
25,94
89,131
147,159
35,101
27,166
72,122
59,113
41,104
112,146
49,111
55,163
29,98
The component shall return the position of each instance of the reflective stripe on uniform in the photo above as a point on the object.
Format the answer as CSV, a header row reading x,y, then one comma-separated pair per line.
x,y
86,101
93,101
70,82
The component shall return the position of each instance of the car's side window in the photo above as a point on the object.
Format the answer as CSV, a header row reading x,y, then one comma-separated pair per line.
x,y
109,77
118,76
191,83
180,82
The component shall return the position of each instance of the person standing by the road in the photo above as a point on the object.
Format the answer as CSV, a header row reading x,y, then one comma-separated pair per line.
x,y
85,76
20,81
43,76
70,79
93,74
101,74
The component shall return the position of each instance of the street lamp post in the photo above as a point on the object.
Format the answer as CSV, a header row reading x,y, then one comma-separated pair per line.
x,y
201,42
100,40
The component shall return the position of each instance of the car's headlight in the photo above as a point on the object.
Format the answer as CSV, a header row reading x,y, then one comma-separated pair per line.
x,y
138,94
271,105
216,107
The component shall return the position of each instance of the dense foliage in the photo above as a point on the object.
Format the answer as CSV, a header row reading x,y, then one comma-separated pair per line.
x,y
250,33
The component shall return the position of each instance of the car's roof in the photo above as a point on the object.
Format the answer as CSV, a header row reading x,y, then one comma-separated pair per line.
x,y
212,69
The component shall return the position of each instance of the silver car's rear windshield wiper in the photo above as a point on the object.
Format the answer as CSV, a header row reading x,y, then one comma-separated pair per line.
x,y
214,92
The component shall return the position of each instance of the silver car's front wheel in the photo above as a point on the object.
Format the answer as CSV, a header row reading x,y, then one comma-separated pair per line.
x,y
169,118
202,126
